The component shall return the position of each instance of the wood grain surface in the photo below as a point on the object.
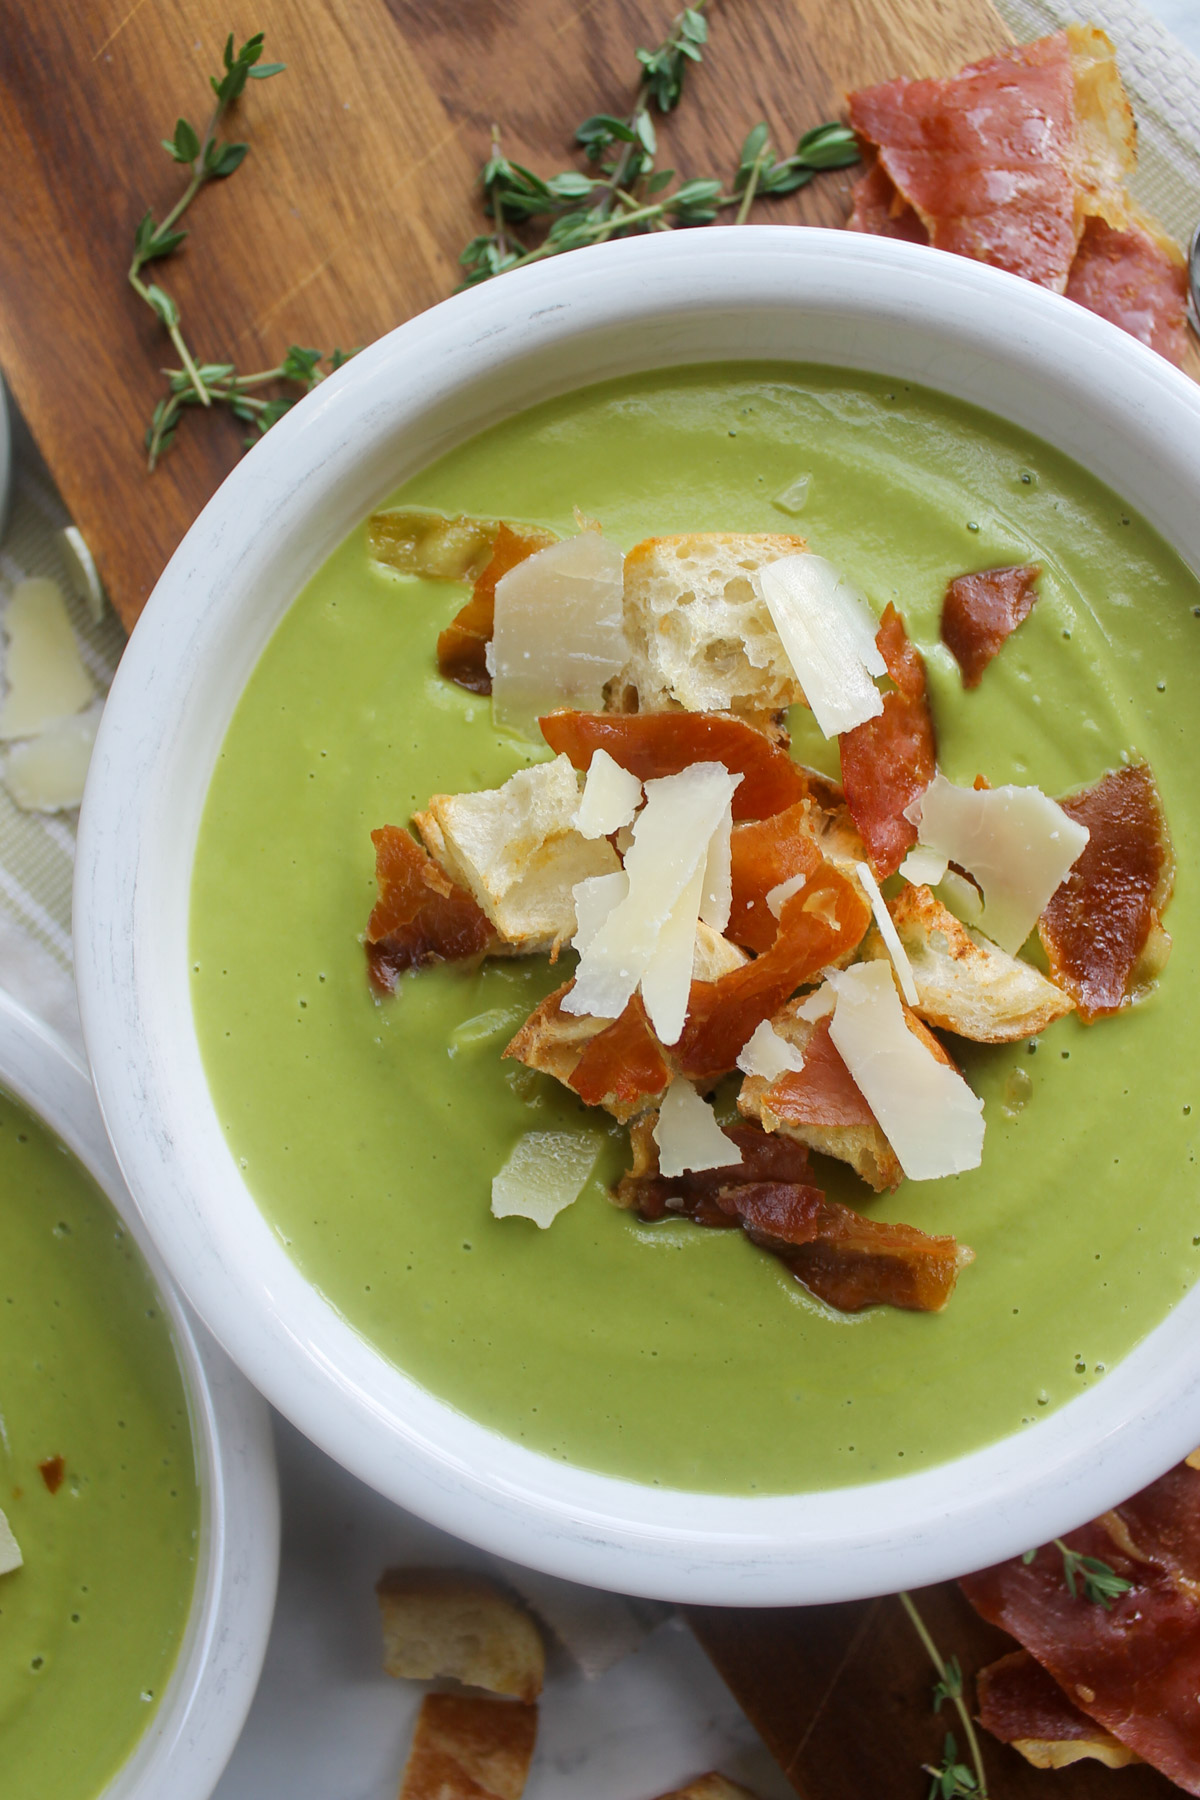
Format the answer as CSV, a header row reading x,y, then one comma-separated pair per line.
x,y
358,194
842,1698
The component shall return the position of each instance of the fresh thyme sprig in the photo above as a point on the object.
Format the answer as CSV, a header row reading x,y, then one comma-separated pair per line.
x,y
1099,1580
208,158
622,192
951,1779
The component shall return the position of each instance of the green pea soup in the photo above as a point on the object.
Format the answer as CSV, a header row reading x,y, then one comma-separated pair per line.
x,y
369,1131
97,1478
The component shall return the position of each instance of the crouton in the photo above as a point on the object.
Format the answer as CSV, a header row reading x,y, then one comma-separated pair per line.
x,y
447,1622
469,1748
709,1787
821,1107
699,632
964,982
516,851
552,1041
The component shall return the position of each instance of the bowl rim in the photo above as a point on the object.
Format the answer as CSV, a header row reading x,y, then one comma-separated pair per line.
x,y
879,304
199,1718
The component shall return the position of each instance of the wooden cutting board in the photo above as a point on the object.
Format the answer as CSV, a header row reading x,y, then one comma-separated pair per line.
x,y
357,196
347,219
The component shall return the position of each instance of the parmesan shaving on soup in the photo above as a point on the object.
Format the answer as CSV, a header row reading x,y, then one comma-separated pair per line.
x,y
767,1054
611,796
1017,843
558,633
546,1171
10,1550
889,934
828,633
687,1133
925,1109
643,939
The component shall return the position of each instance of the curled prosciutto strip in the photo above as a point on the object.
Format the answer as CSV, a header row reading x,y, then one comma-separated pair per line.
x,y
462,647
880,211
1134,280
1134,1665
980,612
983,157
821,924
650,745
764,854
1102,932
421,916
1021,1704
848,1261
888,762
623,1065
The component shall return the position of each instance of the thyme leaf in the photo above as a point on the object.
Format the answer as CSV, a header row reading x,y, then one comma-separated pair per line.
x,y
950,1779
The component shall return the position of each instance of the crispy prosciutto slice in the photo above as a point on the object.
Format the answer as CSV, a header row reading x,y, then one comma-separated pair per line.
x,y
1102,932
984,157
821,924
650,745
880,211
462,647
822,1106
981,611
1021,1704
764,854
1136,280
617,1064
848,1261
421,916
1134,1668
890,761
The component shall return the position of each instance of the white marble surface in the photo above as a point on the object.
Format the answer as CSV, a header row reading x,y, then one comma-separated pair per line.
x,y
328,1724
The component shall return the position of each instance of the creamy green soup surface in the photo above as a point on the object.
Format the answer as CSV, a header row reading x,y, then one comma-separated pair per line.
x,y
370,1131
90,1626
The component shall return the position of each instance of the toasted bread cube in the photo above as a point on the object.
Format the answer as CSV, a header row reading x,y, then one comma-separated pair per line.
x,y
447,1622
965,983
699,632
469,1748
552,1041
516,851
859,1142
709,1787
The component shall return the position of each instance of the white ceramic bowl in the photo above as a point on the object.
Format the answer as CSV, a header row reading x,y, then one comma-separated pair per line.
x,y
758,292
201,1713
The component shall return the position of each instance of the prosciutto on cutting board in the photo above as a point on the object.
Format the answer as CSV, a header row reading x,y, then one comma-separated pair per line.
x,y
1134,1667
1021,161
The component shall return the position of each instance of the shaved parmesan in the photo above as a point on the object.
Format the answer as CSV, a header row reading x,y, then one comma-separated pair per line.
x,y
611,796
667,859
889,934
765,1053
794,497
925,1109
558,633
961,897
594,900
687,1133
818,1004
924,868
717,898
667,982
10,1550
46,677
1018,844
547,1171
781,893
47,773
828,633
